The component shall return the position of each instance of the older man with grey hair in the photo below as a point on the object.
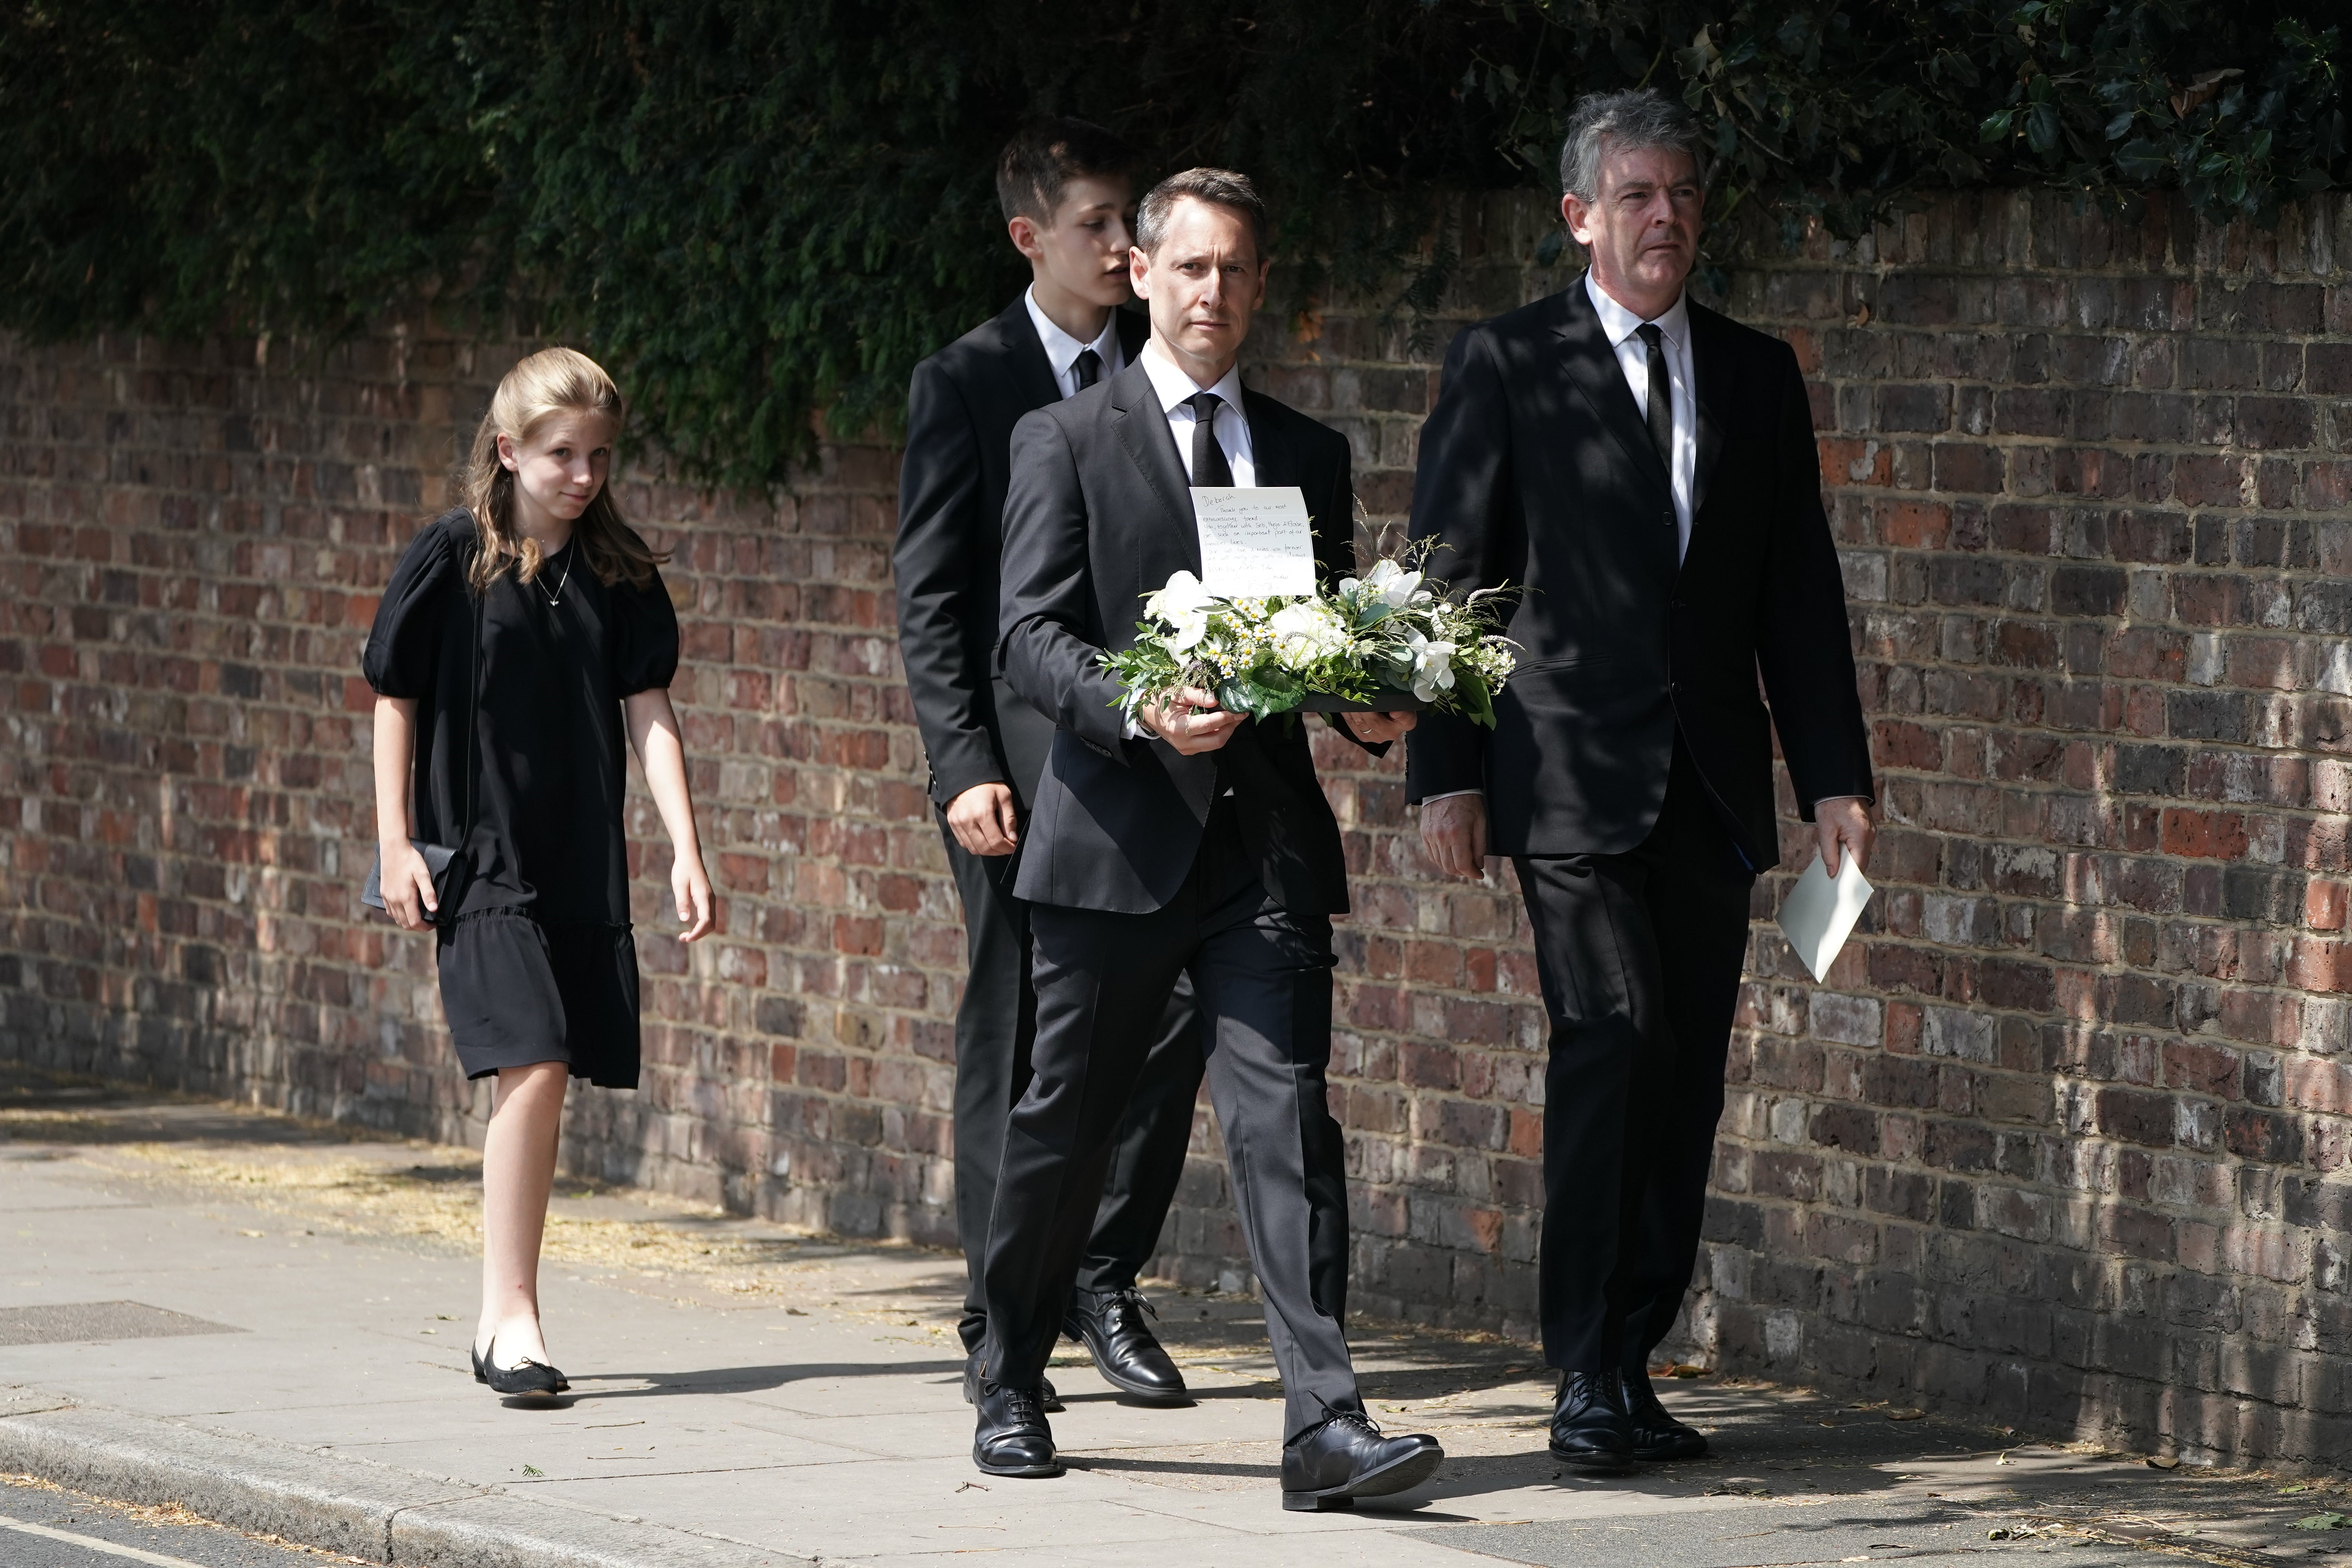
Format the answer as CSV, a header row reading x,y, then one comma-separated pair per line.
x,y
1644,469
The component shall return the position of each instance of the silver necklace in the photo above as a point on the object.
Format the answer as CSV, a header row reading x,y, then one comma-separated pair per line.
x,y
565,582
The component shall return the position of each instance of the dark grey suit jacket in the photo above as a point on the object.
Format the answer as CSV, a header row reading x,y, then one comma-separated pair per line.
x,y
1536,469
1100,513
960,409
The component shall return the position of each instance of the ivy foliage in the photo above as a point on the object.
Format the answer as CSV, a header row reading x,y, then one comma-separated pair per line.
x,y
754,210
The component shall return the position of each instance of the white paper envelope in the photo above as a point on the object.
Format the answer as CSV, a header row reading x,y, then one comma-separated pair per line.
x,y
1819,913
1255,540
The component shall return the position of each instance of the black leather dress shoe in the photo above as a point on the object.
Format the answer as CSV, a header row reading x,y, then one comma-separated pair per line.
x,y
1013,1439
1125,1352
1589,1427
1052,1402
1656,1434
1331,1465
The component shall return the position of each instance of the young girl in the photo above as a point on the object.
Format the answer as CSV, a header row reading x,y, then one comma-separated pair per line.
x,y
535,610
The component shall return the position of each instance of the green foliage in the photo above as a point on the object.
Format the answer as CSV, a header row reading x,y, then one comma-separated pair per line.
x,y
1836,112
756,209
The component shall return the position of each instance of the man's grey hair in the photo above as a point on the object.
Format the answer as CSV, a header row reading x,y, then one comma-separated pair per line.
x,y
1638,117
1222,186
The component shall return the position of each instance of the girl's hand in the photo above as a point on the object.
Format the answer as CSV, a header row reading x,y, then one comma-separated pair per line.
x,y
407,886
692,887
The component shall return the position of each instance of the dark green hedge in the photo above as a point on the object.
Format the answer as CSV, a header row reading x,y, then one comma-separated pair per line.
x,y
755,210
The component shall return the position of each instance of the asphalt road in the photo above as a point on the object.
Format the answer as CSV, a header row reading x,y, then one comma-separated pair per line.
x,y
41,1528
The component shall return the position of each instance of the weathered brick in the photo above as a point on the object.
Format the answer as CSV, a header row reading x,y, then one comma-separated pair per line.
x,y
2075,1109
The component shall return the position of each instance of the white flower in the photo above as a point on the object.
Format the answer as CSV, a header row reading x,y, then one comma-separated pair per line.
x,y
1432,666
1306,632
1396,586
1184,605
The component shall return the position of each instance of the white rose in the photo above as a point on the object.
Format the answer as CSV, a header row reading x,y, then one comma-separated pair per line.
x,y
1306,632
1184,605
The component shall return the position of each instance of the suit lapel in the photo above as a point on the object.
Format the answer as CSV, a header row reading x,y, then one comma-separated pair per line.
x,y
1142,427
1592,369
1711,373
1270,448
1025,356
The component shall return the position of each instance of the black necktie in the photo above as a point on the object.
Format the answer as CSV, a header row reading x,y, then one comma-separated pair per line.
x,y
1088,366
1662,398
1209,465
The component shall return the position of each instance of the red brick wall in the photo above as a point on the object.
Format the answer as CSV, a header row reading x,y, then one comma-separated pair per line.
x,y
2060,1143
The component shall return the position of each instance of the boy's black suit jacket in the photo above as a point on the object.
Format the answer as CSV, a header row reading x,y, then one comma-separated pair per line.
x,y
960,409
1098,515
1536,469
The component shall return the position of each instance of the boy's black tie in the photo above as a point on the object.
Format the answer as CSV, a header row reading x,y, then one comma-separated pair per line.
x,y
1088,366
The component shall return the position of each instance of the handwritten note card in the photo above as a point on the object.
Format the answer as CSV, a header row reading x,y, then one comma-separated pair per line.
x,y
1254,541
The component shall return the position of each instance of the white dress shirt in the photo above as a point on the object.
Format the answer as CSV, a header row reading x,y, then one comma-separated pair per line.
x,y
1623,330
1062,351
1232,429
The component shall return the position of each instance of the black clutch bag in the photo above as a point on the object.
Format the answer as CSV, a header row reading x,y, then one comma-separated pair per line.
x,y
448,879
447,868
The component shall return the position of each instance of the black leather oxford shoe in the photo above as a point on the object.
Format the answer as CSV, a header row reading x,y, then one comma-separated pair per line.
x,y
1110,1325
1331,1465
1013,1439
1589,1427
1656,1434
1052,1401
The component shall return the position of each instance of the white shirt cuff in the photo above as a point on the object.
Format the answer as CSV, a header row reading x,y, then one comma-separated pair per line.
x,y
1431,800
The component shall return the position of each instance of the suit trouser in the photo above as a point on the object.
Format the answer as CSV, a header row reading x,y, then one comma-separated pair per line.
x,y
1640,956
1262,978
994,1026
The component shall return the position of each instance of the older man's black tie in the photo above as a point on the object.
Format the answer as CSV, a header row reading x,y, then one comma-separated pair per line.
x,y
1209,465
1662,398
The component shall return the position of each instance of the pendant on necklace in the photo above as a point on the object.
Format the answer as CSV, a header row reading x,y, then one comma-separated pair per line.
x,y
557,597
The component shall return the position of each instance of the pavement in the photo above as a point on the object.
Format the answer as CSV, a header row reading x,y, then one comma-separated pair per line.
x,y
214,1314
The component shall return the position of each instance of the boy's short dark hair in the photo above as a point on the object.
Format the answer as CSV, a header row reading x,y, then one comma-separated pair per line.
x,y
1222,186
1037,165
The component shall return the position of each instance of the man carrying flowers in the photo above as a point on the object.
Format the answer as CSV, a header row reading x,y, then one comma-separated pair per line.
x,y
1177,835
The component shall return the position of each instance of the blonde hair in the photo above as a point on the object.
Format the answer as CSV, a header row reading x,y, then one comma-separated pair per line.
x,y
540,387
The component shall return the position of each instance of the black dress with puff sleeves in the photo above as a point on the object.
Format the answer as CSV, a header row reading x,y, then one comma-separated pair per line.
x,y
539,964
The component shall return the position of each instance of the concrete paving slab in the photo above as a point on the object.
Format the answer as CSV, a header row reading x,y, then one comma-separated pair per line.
x,y
740,1389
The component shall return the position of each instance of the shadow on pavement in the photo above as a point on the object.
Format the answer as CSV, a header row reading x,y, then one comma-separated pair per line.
x,y
748,1379
39,1107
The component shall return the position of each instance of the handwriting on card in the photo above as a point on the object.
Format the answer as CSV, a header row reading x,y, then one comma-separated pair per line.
x,y
1254,541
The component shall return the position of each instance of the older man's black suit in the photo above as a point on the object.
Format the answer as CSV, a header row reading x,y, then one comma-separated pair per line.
x,y
961,410
1629,769
1143,865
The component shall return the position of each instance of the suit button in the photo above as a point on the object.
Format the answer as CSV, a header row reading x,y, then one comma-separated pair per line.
x,y
1674,688
1667,517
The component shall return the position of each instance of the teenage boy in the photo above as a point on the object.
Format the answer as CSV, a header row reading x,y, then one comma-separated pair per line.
x,y
1067,190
